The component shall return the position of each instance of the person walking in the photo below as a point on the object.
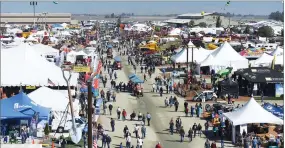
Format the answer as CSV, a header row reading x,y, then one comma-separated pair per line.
x,y
171,126
128,141
207,144
124,114
176,104
190,134
158,145
136,131
139,142
112,124
104,140
148,117
119,113
182,134
143,131
199,128
194,127
110,108
143,119
108,140
104,108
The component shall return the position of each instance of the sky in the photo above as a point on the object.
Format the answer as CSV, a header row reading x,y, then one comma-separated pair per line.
x,y
144,8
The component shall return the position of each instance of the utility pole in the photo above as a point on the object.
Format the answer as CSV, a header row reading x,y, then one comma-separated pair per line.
x,y
89,83
34,4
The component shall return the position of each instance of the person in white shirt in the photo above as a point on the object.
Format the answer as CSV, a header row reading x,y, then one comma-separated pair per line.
x,y
139,142
128,142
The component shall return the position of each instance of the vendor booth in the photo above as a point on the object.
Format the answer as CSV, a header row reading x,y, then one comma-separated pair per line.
x,y
250,113
252,79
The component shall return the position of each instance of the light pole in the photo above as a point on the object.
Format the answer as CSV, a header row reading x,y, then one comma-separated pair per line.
x,y
34,4
45,19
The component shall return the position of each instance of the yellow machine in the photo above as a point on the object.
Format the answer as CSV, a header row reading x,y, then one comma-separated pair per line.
x,y
26,34
212,46
151,45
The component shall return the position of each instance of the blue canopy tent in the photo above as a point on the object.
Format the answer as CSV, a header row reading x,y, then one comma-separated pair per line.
x,y
117,59
21,106
137,80
132,76
56,25
109,46
275,110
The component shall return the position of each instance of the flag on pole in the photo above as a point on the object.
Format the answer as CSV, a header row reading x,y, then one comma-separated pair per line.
x,y
273,62
94,143
50,82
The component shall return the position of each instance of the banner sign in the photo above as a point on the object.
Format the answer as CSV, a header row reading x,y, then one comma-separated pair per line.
x,y
81,69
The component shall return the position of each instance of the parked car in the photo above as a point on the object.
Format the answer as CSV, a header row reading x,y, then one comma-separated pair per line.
x,y
208,95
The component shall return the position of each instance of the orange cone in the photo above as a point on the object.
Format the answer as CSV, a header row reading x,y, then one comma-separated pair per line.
x,y
33,142
52,145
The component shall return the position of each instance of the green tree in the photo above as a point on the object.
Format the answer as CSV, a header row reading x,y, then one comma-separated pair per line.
x,y
218,22
202,24
119,21
247,30
191,23
112,15
277,16
265,31
46,130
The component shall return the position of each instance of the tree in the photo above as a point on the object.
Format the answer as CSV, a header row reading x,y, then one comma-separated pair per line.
x,y
282,32
265,31
277,16
119,21
191,23
112,15
247,30
202,24
218,22
47,130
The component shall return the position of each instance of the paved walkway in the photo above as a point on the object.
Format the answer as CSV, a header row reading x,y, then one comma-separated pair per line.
x,y
154,104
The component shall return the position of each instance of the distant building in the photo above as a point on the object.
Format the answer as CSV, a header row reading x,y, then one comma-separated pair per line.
x,y
40,18
208,18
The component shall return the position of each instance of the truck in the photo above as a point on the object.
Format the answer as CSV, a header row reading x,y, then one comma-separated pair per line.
x,y
63,123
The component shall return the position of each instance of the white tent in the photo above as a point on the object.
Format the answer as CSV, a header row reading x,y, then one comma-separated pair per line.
x,y
264,60
278,51
21,65
71,56
252,112
181,56
49,98
45,50
190,44
211,62
279,60
175,32
81,53
226,55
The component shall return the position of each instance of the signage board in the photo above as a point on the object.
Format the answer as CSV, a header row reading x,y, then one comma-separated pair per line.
x,y
81,69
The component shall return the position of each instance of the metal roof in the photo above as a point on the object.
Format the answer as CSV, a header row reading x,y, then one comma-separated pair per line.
x,y
178,21
195,14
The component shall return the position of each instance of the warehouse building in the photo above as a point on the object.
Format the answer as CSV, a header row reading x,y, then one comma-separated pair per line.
x,y
40,18
208,18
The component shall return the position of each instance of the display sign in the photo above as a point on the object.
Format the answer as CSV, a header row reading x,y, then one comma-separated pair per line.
x,y
279,90
30,87
81,69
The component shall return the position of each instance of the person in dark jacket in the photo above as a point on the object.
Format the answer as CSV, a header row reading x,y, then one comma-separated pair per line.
x,y
194,128
108,140
112,124
104,140
207,144
213,145
182,134
190,134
